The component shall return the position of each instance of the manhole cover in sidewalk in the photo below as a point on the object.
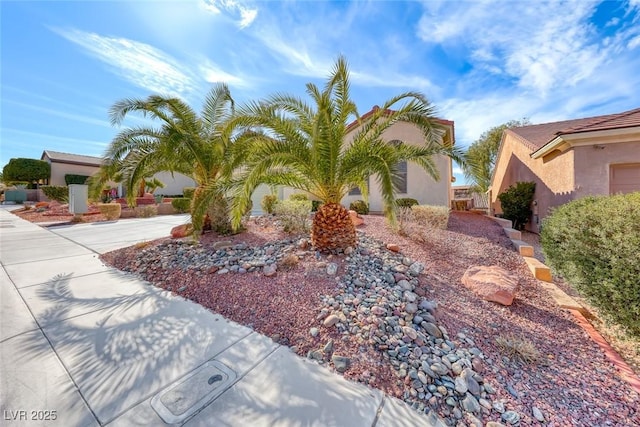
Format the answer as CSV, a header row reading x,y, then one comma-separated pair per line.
x,y
190,394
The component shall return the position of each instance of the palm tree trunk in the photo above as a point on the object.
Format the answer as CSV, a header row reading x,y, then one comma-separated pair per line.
x,y
332,228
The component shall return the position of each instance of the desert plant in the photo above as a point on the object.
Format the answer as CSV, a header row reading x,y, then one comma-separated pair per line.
x,y
301,197
431,216
111,211
58,193
27,170
315,205
593,243
269,202
146,211
181,204
404,221
518,348
360,206
406,202
75,179
516,203
289,262
188,192
294,215
304,146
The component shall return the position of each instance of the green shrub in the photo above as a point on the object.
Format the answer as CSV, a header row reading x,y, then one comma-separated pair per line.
x,y
433,216
406,202
75,179
301,197
26,170
111,211
360,206
188,192
59,193
315,205
294,215
269,202
146,211
516,203
181,204
593,242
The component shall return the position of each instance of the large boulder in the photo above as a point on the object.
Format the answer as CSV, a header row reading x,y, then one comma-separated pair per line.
x,y
491,283
180,231
355,218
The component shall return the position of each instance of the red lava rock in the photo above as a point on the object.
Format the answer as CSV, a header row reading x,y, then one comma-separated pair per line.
x,y
393,247
491,283
355,218
183,230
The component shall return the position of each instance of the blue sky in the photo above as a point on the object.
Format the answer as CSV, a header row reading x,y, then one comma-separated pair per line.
x,y
482,63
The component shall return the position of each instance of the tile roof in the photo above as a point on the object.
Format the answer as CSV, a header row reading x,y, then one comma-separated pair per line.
x,y
536,136
57,156
375,108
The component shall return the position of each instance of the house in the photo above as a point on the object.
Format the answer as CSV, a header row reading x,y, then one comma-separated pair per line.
x,y
568,160
63,164
462,198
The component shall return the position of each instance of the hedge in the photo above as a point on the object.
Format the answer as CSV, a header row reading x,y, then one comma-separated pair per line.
x,y
516,203
269,202
75,179
433,216
406,202
58,193
26,170
594,243
360,206
111,211
181,204
188,192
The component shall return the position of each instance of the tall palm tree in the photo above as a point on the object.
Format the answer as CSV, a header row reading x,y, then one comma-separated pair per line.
x,y
305,147
198,146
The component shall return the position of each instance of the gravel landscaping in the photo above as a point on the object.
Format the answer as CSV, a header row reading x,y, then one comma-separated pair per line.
x,y
403,322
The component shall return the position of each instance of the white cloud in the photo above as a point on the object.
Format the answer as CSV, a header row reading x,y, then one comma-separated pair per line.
x,y
213,74
243,15
139,63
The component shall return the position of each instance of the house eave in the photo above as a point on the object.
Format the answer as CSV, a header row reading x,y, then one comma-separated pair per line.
x,y
564,142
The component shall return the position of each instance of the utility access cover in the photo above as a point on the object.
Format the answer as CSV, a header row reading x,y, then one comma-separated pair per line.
x,y
192,393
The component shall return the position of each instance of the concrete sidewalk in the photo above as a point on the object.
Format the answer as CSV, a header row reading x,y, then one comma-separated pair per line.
x,y
82,344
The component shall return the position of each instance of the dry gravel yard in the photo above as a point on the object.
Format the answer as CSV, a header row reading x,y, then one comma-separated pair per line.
x,y
402,322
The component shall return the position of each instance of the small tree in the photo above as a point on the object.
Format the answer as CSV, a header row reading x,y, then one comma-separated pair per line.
x,y
516,203
26,170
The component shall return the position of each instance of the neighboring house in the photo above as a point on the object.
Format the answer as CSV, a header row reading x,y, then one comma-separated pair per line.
x,y
462,196
569,159
65,163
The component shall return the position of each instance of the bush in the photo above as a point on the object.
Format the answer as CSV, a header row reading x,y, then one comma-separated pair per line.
x,y
406,202
294,215
188,192
27,170
360,206
300,197
516,203
58,193
181,204
146,211
315,205
75,179
433,216
269,203
110,211
593,243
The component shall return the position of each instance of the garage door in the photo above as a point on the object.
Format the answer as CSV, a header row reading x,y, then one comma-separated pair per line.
x,y
624,178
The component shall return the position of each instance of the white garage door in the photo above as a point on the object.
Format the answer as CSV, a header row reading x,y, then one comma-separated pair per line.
x,y
624,178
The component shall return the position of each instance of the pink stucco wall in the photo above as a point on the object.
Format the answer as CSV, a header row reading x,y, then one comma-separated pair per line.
x,y
592,177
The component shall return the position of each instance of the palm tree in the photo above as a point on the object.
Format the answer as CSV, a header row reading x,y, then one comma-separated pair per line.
x,y
198,146
305,147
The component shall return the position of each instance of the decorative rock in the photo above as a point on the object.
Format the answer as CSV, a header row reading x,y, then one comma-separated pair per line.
x,y
537,414
341,363
332,268
511,417
314,332
355,218
491,283
494,424
411,308
222,244
393,247
315,355
470,404
472,384
180,231
410,332
331,320
432,329
328,347
461,385
439,368
378,311
269,270
416,268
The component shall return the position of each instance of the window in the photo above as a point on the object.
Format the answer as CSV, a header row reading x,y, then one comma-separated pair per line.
x,y
401,179
356,190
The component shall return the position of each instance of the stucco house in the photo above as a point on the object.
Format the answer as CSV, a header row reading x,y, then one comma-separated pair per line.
x,y
568,160
66,163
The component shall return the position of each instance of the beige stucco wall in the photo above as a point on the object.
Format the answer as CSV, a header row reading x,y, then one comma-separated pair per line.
x,y
59,170
592,177
173,185
420,185
554,178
